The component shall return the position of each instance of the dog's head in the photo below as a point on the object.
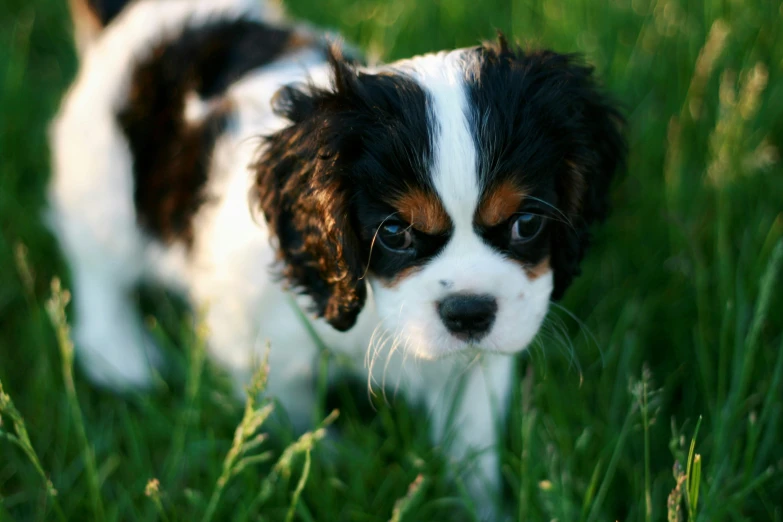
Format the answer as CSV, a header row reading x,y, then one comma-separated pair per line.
x,y
459,185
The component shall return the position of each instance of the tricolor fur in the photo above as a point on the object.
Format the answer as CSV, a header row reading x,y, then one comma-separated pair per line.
x,y
426,209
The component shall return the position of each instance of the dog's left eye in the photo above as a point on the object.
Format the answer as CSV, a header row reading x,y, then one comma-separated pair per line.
x,y
526,227
395,236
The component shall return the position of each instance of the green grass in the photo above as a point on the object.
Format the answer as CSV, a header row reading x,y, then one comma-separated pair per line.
x,y
680,315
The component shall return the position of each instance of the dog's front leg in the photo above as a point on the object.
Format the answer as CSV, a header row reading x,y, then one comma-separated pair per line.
x,y
468,418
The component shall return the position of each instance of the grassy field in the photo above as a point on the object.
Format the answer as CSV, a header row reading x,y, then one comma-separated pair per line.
x,y
678,315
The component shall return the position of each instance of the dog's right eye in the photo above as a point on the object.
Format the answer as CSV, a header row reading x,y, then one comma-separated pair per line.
x,y
396,236
526,227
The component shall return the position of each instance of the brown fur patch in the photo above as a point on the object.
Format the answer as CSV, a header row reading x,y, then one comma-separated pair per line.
x,y
534,272
171,155
423,211
500,203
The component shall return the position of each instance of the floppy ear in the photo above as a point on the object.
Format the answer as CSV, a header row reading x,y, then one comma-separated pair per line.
x,y
559,126
304,191
588,130
596,152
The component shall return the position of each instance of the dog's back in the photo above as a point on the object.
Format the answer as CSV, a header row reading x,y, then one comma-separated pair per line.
x,y
91,17
133,149
138,66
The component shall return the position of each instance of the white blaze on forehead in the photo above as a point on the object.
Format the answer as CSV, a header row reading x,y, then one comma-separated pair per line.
x,y
454,173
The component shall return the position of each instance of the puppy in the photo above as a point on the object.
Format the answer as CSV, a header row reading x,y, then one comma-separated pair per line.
x,y
416,217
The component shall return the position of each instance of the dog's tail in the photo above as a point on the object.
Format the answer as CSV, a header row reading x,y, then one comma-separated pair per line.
x,y
89,17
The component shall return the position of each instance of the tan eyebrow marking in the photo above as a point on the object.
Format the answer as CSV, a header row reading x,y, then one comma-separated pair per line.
x,y
423,211
500,203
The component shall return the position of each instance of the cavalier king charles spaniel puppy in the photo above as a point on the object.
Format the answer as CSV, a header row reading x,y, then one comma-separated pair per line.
x,y
416,217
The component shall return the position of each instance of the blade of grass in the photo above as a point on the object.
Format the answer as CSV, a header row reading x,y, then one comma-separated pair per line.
x,y
767,416
196,358
691,479
403,504
55,307
284,464
299,488
612,466
152,491
767,286
646,427
529,419
674,500
22,440
591,488
254,416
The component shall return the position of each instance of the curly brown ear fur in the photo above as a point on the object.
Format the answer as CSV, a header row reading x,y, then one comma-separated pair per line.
x,y
303,189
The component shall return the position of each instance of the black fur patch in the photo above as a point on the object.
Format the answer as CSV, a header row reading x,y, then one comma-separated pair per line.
x,y
327,182
171,156
541,121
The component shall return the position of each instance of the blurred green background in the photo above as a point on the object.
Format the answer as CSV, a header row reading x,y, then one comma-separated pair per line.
x,y
678,314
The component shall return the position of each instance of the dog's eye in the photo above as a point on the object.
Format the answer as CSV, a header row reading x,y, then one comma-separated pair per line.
x,y
395,236
526,227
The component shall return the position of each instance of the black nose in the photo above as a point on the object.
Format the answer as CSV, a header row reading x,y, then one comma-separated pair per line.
x,y
468,316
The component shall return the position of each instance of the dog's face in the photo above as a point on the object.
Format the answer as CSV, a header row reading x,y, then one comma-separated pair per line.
x,y
460,185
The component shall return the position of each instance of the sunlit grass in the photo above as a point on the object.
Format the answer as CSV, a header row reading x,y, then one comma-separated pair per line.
x,y
663,401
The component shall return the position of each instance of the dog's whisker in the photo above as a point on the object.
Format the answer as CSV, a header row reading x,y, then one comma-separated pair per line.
x,y
551,337
388,337
557,210
405,352
582,326
372,244
394,339
370,344
554,331
375,348
383,344
398,340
